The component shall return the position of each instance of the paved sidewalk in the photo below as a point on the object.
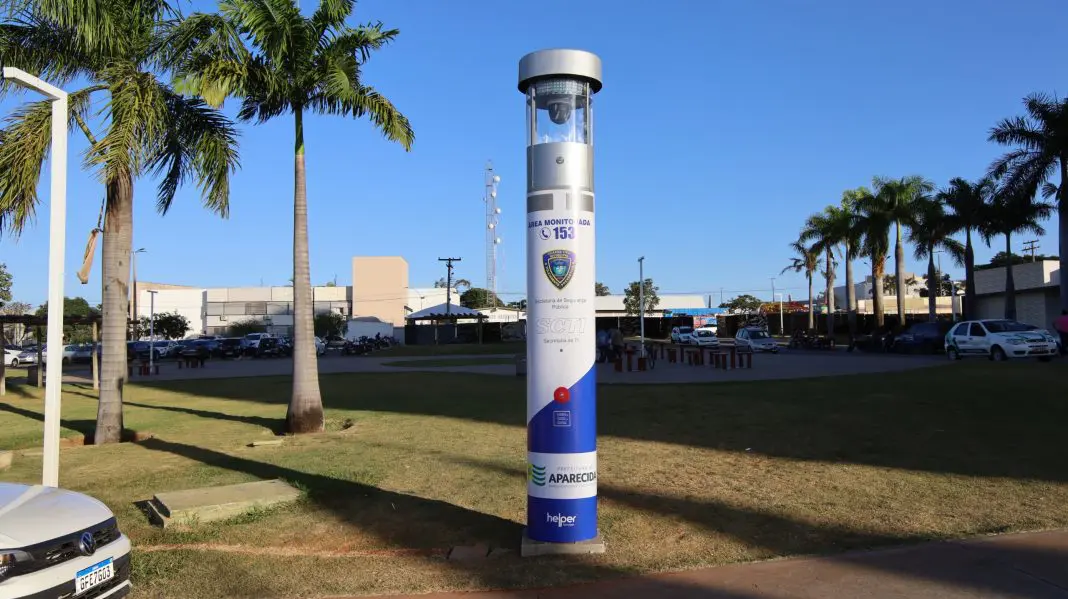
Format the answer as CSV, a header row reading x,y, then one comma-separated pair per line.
x,y
1031,566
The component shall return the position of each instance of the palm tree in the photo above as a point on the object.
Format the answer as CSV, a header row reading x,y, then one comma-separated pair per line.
x,y
1013,210
278,61
967,203
873,225
1042,150
807,261
895,197
826,231
851,243
930,232
147,127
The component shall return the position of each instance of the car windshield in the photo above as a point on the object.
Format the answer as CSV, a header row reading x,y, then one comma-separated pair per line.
x,y
252,336
1004,326
684,330
759,335
230,342
703,333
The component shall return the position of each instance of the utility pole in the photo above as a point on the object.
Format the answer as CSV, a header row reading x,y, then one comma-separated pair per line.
x,y
448,282
773,301
721,296
1031,246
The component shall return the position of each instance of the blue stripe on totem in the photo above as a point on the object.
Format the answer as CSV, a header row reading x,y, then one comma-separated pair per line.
x,y
561,520
581,435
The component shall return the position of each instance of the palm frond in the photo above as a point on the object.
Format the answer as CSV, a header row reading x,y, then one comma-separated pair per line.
x,y
24,144
200,144
331,14
98,26
344,97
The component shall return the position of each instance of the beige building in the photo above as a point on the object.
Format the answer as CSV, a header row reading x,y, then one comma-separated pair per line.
x,y
380,287
1037,292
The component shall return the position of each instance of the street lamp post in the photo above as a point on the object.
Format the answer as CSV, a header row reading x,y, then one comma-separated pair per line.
x,y
133,292
641,301
780,310
57,225
152,330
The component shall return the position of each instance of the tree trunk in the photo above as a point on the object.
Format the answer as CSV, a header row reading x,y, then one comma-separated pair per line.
x,y
933,291
851,292
1010,282
115,262
877,272
811,312
899,276
1062,228
969,276
830,293
305,413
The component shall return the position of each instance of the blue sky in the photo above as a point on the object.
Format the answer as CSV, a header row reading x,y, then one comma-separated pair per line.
x,y
720,127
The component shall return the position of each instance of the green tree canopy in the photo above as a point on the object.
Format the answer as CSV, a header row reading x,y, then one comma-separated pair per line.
x,y
73,307
631,297
168,325
600,289
244,327
743,303
5,285
331,324
476,297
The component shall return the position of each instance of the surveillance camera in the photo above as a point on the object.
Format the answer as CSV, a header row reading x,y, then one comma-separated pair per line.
x,y
560,110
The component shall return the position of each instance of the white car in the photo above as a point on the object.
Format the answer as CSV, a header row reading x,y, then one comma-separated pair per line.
x,y
320,347
252,340
705,337
682,335
755,339
999,340
58,543
11,356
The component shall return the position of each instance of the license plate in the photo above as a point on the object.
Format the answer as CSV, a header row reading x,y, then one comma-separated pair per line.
x,y
93,576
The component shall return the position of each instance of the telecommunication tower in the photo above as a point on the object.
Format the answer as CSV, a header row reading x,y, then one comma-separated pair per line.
x,y
493,213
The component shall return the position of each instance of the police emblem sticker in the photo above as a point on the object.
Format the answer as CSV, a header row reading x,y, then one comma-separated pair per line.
x,y
559,267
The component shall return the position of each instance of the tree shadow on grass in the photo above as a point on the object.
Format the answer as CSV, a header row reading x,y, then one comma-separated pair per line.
x,y
272,424
408,522
930,420
1015,569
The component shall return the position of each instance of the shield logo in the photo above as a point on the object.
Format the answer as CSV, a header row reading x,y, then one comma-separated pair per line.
x,y
559,267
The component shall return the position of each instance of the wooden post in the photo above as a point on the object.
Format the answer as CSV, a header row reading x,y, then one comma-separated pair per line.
x,y
40,358
96,364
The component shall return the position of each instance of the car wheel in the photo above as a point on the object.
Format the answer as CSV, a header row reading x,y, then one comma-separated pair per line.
x,y
66,361
952,353
15,363
997,354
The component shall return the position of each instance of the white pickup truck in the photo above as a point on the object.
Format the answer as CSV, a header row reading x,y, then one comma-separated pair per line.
x,y
56,544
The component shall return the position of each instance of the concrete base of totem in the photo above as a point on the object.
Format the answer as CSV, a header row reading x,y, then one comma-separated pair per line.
x,y
532,548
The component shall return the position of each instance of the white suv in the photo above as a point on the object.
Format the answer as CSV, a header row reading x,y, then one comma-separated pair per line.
x,y
999,340
682,335
56,544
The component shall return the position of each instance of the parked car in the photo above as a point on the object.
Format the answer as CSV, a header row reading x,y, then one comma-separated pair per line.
x,y
231,348
755,339
58,543
999,340
682,335
11,356
199,349
27,357
320,347
252,340
705,337
922,337
335,342
139,350
266,347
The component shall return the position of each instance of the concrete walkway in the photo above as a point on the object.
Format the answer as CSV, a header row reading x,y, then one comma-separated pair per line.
x,y
1031,566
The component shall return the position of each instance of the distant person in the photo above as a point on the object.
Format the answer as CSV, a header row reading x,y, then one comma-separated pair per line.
x,y
604,343
617,343
1061,324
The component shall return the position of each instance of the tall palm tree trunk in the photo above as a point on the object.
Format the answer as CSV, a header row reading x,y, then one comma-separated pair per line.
x,y
878,270
851,292
830,293
1062,228
1010,282
933,291
811,305
115,262
899,277
305,413
969,276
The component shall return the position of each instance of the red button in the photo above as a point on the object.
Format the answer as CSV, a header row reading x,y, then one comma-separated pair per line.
x,y
562,395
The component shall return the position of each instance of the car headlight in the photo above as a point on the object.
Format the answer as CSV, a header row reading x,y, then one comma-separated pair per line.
x,y
10,558
1016,340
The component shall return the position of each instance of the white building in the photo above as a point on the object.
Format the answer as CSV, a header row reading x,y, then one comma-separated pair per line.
x,y
1037,292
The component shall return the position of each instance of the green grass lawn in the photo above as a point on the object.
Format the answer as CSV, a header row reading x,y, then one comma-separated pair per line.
x,y
689,475
446,362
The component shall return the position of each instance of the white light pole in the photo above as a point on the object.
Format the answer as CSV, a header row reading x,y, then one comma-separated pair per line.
x,y
780,309
133,291
641,302
152,330
57,232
